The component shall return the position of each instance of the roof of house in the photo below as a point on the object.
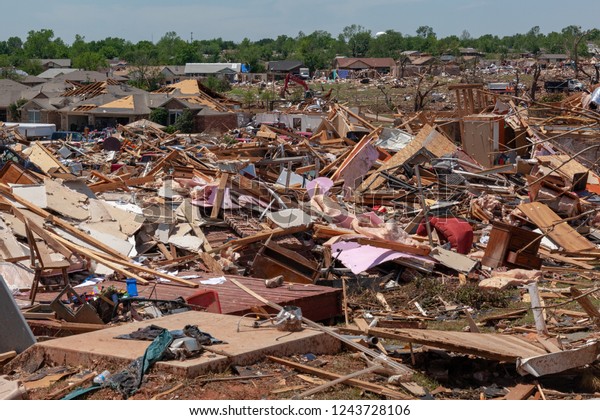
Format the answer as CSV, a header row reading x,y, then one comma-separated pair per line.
x,y
447,57
185,87
175,70
284,65
364,62
86,76
136,104
41,103
9,84
554,56
419,61
10,92
468,51
209,68
62,62
144,123
51,88
33,80
213,68
53,73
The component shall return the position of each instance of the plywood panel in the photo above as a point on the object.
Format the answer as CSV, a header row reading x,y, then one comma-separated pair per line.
x,y
551,224
427,138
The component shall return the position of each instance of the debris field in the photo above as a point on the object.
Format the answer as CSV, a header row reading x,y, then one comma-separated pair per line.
x,y
447,254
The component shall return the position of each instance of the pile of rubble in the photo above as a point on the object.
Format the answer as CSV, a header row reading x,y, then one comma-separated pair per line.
x,y
269,226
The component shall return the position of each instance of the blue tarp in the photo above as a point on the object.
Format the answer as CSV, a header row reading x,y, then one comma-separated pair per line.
x,y
343,74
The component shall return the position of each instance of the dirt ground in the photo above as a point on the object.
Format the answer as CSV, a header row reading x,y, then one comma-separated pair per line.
x,y
441,374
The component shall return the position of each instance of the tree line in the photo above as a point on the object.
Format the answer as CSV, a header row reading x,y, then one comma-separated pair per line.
x,y
316,50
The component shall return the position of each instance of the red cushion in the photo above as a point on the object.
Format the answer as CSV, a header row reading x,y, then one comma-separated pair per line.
x,y
456,231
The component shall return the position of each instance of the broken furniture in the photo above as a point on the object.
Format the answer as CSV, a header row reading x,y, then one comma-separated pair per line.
x,y
273,260
513,247
82,312
41,260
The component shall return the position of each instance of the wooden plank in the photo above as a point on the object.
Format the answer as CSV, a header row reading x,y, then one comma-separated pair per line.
x,y
45,160
562,258
368,386
427,138
491,346
364,326
365,141
341,379
395,246
167,392
219,197
237,243
557,229
400,369
78,382
587,305
159,165
7,356
101,259
520,392
163,249
114,184
6,190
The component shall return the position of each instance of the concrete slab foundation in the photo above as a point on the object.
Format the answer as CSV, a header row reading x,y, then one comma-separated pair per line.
x,y
245,347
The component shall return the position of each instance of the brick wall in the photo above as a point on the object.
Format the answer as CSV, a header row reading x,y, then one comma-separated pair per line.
x,y
216,123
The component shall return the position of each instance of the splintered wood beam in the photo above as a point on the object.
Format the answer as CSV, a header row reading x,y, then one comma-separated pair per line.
x,y
395,246
7,191
336,381
219,197
237,243
116,264
367,386
587,305
400,369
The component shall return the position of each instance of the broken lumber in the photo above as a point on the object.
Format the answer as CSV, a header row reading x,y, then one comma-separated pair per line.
x,y
587,305
6,190
336,381
384,360
395,246
367,386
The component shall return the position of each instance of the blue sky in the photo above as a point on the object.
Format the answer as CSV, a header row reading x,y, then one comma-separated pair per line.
x,y
136,20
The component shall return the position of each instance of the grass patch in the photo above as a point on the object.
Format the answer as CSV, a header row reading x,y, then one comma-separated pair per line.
x,y
468,295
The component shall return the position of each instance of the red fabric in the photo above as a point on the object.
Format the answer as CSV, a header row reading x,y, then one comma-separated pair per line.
x,y
456,231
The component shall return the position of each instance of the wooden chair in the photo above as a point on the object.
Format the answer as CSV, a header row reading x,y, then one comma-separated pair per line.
x,y
40,258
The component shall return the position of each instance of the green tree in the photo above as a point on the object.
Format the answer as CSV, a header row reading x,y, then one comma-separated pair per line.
x,y
185,122
14,110
217,84
159,116
425,32
248,97
357,39
30,66
388,44
78,47
143,59
170,47
14,45
316,50
40,44
90,61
